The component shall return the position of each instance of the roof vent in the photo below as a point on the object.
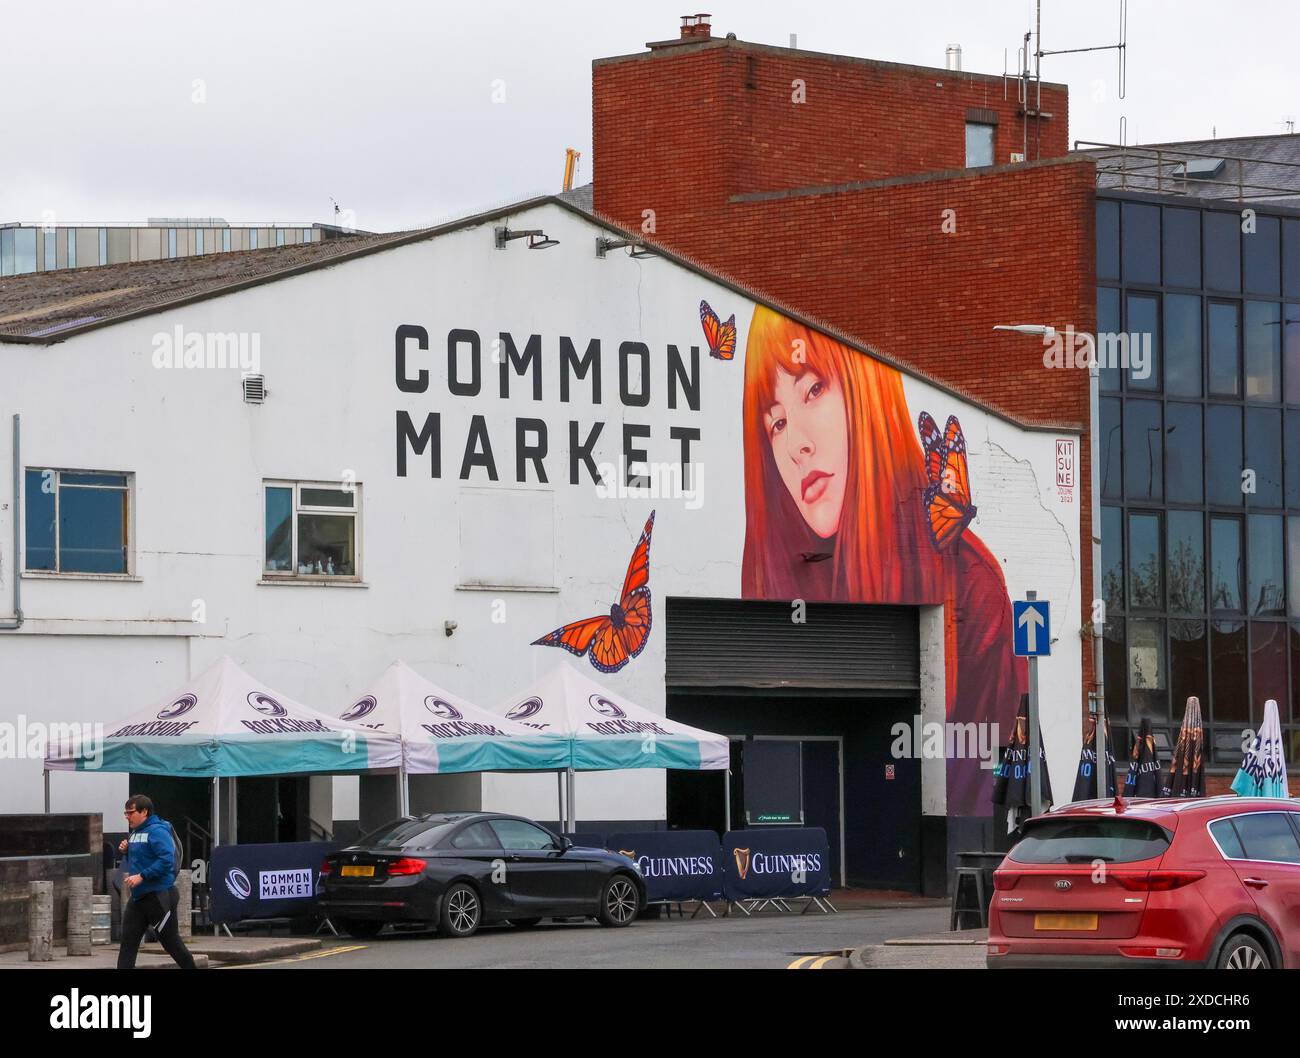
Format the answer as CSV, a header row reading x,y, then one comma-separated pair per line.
x,y
254,389
952,57
1201,168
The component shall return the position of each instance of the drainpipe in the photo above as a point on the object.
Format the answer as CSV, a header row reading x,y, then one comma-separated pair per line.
x,y
16,622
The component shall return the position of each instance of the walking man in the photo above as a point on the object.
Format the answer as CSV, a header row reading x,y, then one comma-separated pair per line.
x,y
150,868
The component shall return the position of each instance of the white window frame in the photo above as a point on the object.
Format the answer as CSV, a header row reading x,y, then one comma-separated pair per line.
x,y
353,512
61,574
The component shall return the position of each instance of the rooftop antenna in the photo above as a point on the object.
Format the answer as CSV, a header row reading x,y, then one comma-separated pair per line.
x,y
1039,52
337,208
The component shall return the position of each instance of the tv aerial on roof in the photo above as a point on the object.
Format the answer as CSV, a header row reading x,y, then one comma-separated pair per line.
x,y
1025,79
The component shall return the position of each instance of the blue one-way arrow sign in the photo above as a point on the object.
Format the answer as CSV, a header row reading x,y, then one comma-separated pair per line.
x,y
1033,628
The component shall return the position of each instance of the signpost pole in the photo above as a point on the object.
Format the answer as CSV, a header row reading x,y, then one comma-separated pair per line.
x,y
1100,742
1035,781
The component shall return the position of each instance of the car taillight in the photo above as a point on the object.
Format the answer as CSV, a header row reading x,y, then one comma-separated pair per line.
x,y
998,949
1156,881
326,867
1151,953
1006,879
406,865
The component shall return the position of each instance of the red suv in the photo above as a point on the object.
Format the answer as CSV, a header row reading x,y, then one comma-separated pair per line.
x,y
1205,882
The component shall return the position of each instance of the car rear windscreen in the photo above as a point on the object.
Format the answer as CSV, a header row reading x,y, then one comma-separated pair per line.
x,y
1083,840
408,833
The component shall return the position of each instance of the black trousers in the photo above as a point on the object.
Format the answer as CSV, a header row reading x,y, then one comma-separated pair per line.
x,y
156,911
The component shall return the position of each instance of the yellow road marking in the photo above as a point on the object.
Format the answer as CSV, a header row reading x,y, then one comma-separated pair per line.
x,y
297,958
798,963
822,961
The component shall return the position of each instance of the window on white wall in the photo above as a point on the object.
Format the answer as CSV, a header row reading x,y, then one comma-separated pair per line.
x,y
77,521
311,530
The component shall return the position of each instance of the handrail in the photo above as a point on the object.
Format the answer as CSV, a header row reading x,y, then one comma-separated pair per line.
x,y
1139,167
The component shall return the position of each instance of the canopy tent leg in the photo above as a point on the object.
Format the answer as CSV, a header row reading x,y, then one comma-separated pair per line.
x,y
47,791
403,793
216,829
573,815
559,799
726,800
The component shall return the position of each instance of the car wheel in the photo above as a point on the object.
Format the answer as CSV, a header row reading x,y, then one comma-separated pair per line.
x,y
524,923
461,911
361,929
618,901
1242,952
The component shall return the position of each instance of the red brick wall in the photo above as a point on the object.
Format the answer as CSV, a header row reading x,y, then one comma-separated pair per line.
x,y
681,129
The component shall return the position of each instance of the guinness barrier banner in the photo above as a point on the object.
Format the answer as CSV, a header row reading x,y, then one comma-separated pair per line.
x,y
676,864
266,881
775,861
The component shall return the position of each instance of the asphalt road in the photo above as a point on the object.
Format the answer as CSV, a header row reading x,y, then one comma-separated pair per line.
x,y
765,941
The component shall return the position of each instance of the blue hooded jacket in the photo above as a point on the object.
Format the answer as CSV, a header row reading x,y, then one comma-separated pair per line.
x,y
151,854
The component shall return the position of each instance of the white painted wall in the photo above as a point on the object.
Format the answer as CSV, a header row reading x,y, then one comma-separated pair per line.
x,y
200,454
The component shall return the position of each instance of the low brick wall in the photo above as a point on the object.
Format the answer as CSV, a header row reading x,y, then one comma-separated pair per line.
x,y
40,848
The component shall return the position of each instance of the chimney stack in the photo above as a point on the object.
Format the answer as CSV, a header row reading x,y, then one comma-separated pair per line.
x,y
953,57
696,27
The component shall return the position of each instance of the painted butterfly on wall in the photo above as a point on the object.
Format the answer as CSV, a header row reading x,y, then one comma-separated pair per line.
x,y
721,336
947,492
617,637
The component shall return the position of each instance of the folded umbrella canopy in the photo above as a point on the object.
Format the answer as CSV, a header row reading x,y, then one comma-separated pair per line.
x,y
608,731
1010,777
1085,781
1186,776
443,733
223,723
1143,779
1263,769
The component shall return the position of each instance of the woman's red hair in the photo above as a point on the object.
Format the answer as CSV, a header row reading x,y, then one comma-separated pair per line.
x,y
883,551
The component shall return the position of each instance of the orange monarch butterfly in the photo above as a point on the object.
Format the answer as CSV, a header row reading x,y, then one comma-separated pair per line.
x,y
947,494
617,637
721,336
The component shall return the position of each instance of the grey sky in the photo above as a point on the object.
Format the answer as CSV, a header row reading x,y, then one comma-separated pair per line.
x,y
387,106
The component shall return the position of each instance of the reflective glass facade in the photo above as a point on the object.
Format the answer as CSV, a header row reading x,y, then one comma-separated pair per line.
x,y
1199,438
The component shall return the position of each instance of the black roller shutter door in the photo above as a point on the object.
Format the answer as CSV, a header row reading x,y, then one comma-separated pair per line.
x,y
748,643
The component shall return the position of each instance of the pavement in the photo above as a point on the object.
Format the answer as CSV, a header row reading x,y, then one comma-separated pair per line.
x,y
207,951
960,950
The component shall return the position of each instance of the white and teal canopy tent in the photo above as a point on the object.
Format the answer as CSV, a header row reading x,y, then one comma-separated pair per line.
x,y
443,733
608,731
225,723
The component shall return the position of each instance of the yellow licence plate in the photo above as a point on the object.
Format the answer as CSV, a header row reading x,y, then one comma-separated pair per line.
x,y
1064,922
367,872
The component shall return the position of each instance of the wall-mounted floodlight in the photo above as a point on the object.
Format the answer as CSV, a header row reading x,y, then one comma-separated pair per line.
x,y
537,239
1042,330
636,248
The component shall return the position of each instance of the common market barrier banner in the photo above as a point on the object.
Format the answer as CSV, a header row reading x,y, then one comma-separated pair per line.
x,y
775,861
676,864
266,881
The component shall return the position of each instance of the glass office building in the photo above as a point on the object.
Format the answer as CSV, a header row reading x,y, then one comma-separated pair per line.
x,y
1199,441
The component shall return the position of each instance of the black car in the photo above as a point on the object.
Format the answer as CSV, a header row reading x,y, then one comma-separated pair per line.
x,y
459,870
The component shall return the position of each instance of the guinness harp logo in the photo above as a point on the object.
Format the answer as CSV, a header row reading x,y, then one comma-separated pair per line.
x,y
742,861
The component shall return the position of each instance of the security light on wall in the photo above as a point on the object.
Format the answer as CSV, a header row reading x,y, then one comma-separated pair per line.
x,y
636,248
1042,330
537,239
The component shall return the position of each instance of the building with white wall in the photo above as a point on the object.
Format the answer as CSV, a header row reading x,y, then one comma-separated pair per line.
x,y
438,470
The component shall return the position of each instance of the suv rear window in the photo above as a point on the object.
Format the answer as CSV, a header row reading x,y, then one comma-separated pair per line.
x,y
1078,839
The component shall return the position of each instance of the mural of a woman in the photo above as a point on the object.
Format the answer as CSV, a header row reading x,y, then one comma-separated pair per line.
x,y
834,479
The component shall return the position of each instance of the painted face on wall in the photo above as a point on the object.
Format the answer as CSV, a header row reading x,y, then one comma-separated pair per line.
x,y
807,427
